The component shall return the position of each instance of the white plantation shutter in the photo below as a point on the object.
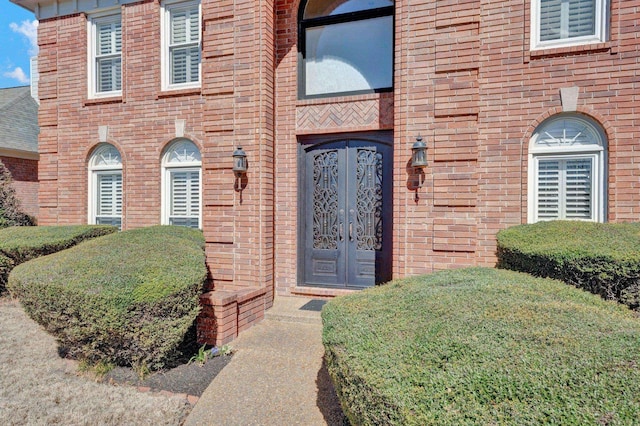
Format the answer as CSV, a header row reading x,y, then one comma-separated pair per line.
x,y
109,199
548,190
561,19
185,198
108,60
565,189
550,19
184,44
579,187
582,17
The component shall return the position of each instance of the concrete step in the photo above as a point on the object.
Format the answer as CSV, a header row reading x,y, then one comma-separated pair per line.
x,y
295,309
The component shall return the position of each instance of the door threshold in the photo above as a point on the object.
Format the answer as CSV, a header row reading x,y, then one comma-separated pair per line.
x,y
321,291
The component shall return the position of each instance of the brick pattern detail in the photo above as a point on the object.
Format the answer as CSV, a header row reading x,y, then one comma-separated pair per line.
x,y
455,233
455,184
455,139
457,48
451,13
457,93
325,116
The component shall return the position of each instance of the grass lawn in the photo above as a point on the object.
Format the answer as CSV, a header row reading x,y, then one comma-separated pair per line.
x,y
483,346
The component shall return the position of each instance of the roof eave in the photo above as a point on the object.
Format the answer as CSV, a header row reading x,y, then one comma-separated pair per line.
x,y
30,5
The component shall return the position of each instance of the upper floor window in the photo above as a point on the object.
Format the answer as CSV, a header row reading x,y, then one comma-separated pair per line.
x,y
181,189
567,173
180,44
559,23
105,186
105,53
346,47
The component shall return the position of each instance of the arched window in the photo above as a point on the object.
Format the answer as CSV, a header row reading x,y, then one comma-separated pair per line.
x,y
567,173
105,186
181,188
346,47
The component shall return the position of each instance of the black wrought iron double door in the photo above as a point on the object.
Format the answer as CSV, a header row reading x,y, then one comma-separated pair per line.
x,y
347,213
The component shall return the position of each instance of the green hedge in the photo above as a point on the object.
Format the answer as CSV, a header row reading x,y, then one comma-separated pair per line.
x,y
482,346
127,298
19,244
603,258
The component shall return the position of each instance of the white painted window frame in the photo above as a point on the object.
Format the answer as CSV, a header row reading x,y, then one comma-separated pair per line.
x,y
600,34
595,152
112,15
167,169
94,172
165,34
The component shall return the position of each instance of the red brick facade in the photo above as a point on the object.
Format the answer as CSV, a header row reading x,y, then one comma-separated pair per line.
x,y
24,173
465,79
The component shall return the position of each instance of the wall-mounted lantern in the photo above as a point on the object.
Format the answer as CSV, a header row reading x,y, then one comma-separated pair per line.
x,y
239,168
239,162
418,163
419,153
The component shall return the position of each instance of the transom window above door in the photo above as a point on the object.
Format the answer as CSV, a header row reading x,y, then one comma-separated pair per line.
x,y
346,47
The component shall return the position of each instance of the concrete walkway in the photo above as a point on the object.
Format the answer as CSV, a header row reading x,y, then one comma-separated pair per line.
x,y
276,376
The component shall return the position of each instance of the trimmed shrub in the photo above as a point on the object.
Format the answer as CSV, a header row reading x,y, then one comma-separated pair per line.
x,y
10,212
127,298
19,244
602,258
482,346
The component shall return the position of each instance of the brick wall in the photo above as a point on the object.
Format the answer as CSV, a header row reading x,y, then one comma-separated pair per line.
x,y
465,80
234,107
24,173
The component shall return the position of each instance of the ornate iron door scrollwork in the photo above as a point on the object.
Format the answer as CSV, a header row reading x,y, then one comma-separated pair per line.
x,y
347,201
325,200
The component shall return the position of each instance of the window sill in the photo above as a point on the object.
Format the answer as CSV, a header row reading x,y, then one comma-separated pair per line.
x,y
570,50
102,101
172,93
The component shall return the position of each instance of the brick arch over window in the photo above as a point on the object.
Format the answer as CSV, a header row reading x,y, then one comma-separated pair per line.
x,y
346,47
567,169
594,115
182,184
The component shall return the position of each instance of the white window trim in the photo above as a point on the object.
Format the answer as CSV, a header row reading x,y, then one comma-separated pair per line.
x,y
165,34
600,36
112,15
94,172
599,173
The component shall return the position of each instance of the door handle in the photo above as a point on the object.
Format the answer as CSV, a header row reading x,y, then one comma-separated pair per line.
x,y
351,220
341,226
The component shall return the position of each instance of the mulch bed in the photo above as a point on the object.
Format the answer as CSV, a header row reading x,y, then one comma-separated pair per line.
x,y
192,378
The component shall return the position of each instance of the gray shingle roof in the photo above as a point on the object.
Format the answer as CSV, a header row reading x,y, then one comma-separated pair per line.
x,y
18,119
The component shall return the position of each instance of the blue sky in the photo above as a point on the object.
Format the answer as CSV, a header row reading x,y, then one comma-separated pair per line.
x,y
17,44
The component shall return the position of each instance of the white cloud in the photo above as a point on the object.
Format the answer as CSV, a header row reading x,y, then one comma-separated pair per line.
x,y
17,74
29,29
